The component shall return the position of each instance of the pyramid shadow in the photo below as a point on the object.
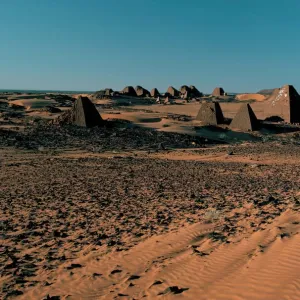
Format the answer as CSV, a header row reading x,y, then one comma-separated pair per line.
x,y
224,134
227,121
274,128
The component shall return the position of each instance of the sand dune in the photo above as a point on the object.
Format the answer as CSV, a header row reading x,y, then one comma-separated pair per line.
x,y
247,97
262,265
158,121
33,103
191,109
133,117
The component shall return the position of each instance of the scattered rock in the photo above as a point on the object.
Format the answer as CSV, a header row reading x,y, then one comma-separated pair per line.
x,y
115,271
156,282
52,109
74,266
133,277
48,297
174,290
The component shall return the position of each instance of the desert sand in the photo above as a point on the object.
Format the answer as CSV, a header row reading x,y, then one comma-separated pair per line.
x,y
152,205
254,97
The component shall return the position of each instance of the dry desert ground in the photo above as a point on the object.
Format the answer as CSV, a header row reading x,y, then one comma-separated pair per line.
x,y
151,205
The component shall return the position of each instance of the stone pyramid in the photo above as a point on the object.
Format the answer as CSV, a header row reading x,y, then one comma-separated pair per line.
x,y
210,113
195,92
184,89
83,113
108,91
129,91
218,91
155,93
172,92
103,93
245,119
141,92
284,103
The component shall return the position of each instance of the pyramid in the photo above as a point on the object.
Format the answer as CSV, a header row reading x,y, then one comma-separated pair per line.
x,y
129,91
245,119
99,94
195,92
154,93
189,91
83,113
103,93
218,91
141,92
172,92
184,89
108,92
284,103
210,114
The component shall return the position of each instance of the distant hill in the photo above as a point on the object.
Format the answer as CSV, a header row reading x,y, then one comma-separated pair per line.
x,y
266,91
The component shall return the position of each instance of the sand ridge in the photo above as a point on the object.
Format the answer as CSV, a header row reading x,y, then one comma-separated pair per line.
x,y
261,265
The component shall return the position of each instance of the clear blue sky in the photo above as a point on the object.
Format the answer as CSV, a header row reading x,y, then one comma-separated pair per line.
x,y
241,45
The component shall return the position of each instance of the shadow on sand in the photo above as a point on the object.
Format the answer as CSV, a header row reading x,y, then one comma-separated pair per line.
x,y
225,134
273,128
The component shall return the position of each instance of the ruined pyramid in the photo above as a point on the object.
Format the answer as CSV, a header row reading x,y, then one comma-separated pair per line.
x,y
155,93
83,113
172,92
245,119
210,114
195,92
218,91
141,92
284,103
129,91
